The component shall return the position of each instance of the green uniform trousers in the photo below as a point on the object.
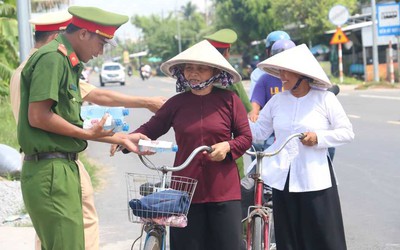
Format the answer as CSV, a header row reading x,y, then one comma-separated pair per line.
x,y
240,164
52,195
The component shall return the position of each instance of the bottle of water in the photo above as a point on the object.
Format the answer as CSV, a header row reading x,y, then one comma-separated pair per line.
x,y
117,125
95,111
157,146
116,120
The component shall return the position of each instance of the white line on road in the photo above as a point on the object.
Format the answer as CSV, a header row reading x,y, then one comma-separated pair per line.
x,y
394,122
354,116
381,97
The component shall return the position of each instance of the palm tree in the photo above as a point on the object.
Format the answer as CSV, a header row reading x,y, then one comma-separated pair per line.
x,y
188,10
8,43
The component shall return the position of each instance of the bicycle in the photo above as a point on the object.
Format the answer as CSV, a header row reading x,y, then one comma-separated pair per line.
x,y
259,216
169,197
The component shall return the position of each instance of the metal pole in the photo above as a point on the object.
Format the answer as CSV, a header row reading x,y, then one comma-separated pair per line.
x,y
179,33
391,69
340,63
24,29
375,57
398,58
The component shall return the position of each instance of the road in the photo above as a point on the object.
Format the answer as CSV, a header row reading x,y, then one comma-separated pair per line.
x,y
367,169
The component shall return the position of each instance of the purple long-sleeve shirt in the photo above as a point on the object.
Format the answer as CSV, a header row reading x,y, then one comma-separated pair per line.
x,y
205,120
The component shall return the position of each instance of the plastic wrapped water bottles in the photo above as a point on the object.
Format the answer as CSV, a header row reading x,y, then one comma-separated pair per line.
x,y
95,111
92,114
157,146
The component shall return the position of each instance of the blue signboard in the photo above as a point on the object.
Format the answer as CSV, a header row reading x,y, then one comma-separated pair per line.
x,y
388,19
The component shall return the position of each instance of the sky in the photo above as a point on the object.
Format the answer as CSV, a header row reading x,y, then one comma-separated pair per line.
x,y
138,7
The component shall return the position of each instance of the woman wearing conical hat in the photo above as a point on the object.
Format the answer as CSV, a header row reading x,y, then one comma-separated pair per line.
x,y
307,212
206,115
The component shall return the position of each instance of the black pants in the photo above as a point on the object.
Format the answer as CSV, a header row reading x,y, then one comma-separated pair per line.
x,y
308,220
211,226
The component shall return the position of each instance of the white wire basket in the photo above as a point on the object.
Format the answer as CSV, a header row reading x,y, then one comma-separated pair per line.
x,y
151,202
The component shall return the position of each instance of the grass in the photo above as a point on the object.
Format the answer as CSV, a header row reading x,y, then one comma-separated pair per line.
x,y
8,136
360,84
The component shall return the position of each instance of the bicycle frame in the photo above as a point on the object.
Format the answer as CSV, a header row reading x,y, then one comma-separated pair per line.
x,y
259,216
156,233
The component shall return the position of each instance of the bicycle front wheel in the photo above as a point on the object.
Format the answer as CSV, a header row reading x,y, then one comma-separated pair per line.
x,y
256,241
152,243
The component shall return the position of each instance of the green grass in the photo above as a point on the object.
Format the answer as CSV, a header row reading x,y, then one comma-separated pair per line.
x,y
326,65
8,136
8,128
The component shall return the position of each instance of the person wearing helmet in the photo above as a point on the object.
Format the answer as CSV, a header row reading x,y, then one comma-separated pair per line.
x,y
269,41
267,85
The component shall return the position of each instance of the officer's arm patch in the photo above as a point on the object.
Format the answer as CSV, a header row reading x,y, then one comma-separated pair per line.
x,y
62,49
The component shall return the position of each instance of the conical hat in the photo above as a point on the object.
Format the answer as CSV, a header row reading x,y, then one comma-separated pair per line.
x,y
299,60
201,53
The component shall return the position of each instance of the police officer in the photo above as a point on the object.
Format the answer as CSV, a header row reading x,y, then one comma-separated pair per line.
x,y
222,40
50,129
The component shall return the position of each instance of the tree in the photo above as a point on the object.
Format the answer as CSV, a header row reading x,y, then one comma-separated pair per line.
x,y
252,21
308,19
8,43
160,34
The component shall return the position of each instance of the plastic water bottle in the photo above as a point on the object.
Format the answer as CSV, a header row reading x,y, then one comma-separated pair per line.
x,y
117,125
157,146
92,114
95,111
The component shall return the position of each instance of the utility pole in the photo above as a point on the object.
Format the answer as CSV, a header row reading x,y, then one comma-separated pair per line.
x,y
179,32
24,29
375,57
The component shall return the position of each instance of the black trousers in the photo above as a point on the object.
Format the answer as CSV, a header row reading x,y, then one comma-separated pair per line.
x,y
211,226
308,220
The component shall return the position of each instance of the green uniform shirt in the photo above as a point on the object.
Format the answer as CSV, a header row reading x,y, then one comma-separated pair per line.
x,y
51,73
239,90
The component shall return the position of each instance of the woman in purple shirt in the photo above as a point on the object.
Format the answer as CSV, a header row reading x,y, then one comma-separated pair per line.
x,y
206,115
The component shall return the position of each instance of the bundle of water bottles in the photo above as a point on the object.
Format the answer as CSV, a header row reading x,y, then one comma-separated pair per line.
x,y
92,114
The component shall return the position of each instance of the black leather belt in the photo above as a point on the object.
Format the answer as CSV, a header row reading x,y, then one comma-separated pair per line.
x,y
51,155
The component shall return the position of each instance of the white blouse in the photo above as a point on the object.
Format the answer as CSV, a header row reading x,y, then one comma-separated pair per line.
x,y
319,111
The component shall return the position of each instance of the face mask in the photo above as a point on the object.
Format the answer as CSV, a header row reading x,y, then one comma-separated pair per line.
x,y
202,85
223,79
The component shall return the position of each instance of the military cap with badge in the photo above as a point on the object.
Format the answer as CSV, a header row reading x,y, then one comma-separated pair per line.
x,y
101,22
53,21
222,38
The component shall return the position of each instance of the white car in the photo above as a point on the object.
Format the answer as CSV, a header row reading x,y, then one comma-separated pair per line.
x,y
112,72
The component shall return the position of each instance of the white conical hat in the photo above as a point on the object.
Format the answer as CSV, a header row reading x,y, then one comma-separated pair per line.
x,y
201,53
299,60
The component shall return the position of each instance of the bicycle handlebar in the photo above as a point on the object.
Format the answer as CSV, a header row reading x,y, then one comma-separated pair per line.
x,y
177,168
263,154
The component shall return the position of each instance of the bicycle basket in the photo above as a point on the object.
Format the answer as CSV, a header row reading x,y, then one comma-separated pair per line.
x,y
148,201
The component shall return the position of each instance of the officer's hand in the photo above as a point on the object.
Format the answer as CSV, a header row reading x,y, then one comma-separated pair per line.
x,y
155,103
219,151
98,131
130,143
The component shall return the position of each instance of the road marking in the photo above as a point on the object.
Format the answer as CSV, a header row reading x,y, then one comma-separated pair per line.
x,y
394,122
354,116
381,97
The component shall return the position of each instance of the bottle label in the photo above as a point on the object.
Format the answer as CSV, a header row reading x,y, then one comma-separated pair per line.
x,y
155,144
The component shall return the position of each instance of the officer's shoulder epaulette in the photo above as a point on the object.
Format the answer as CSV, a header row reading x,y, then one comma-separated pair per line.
x,y
61,48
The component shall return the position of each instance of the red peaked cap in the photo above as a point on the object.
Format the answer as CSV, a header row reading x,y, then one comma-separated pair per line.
x,y
103,30
52,27
219,44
